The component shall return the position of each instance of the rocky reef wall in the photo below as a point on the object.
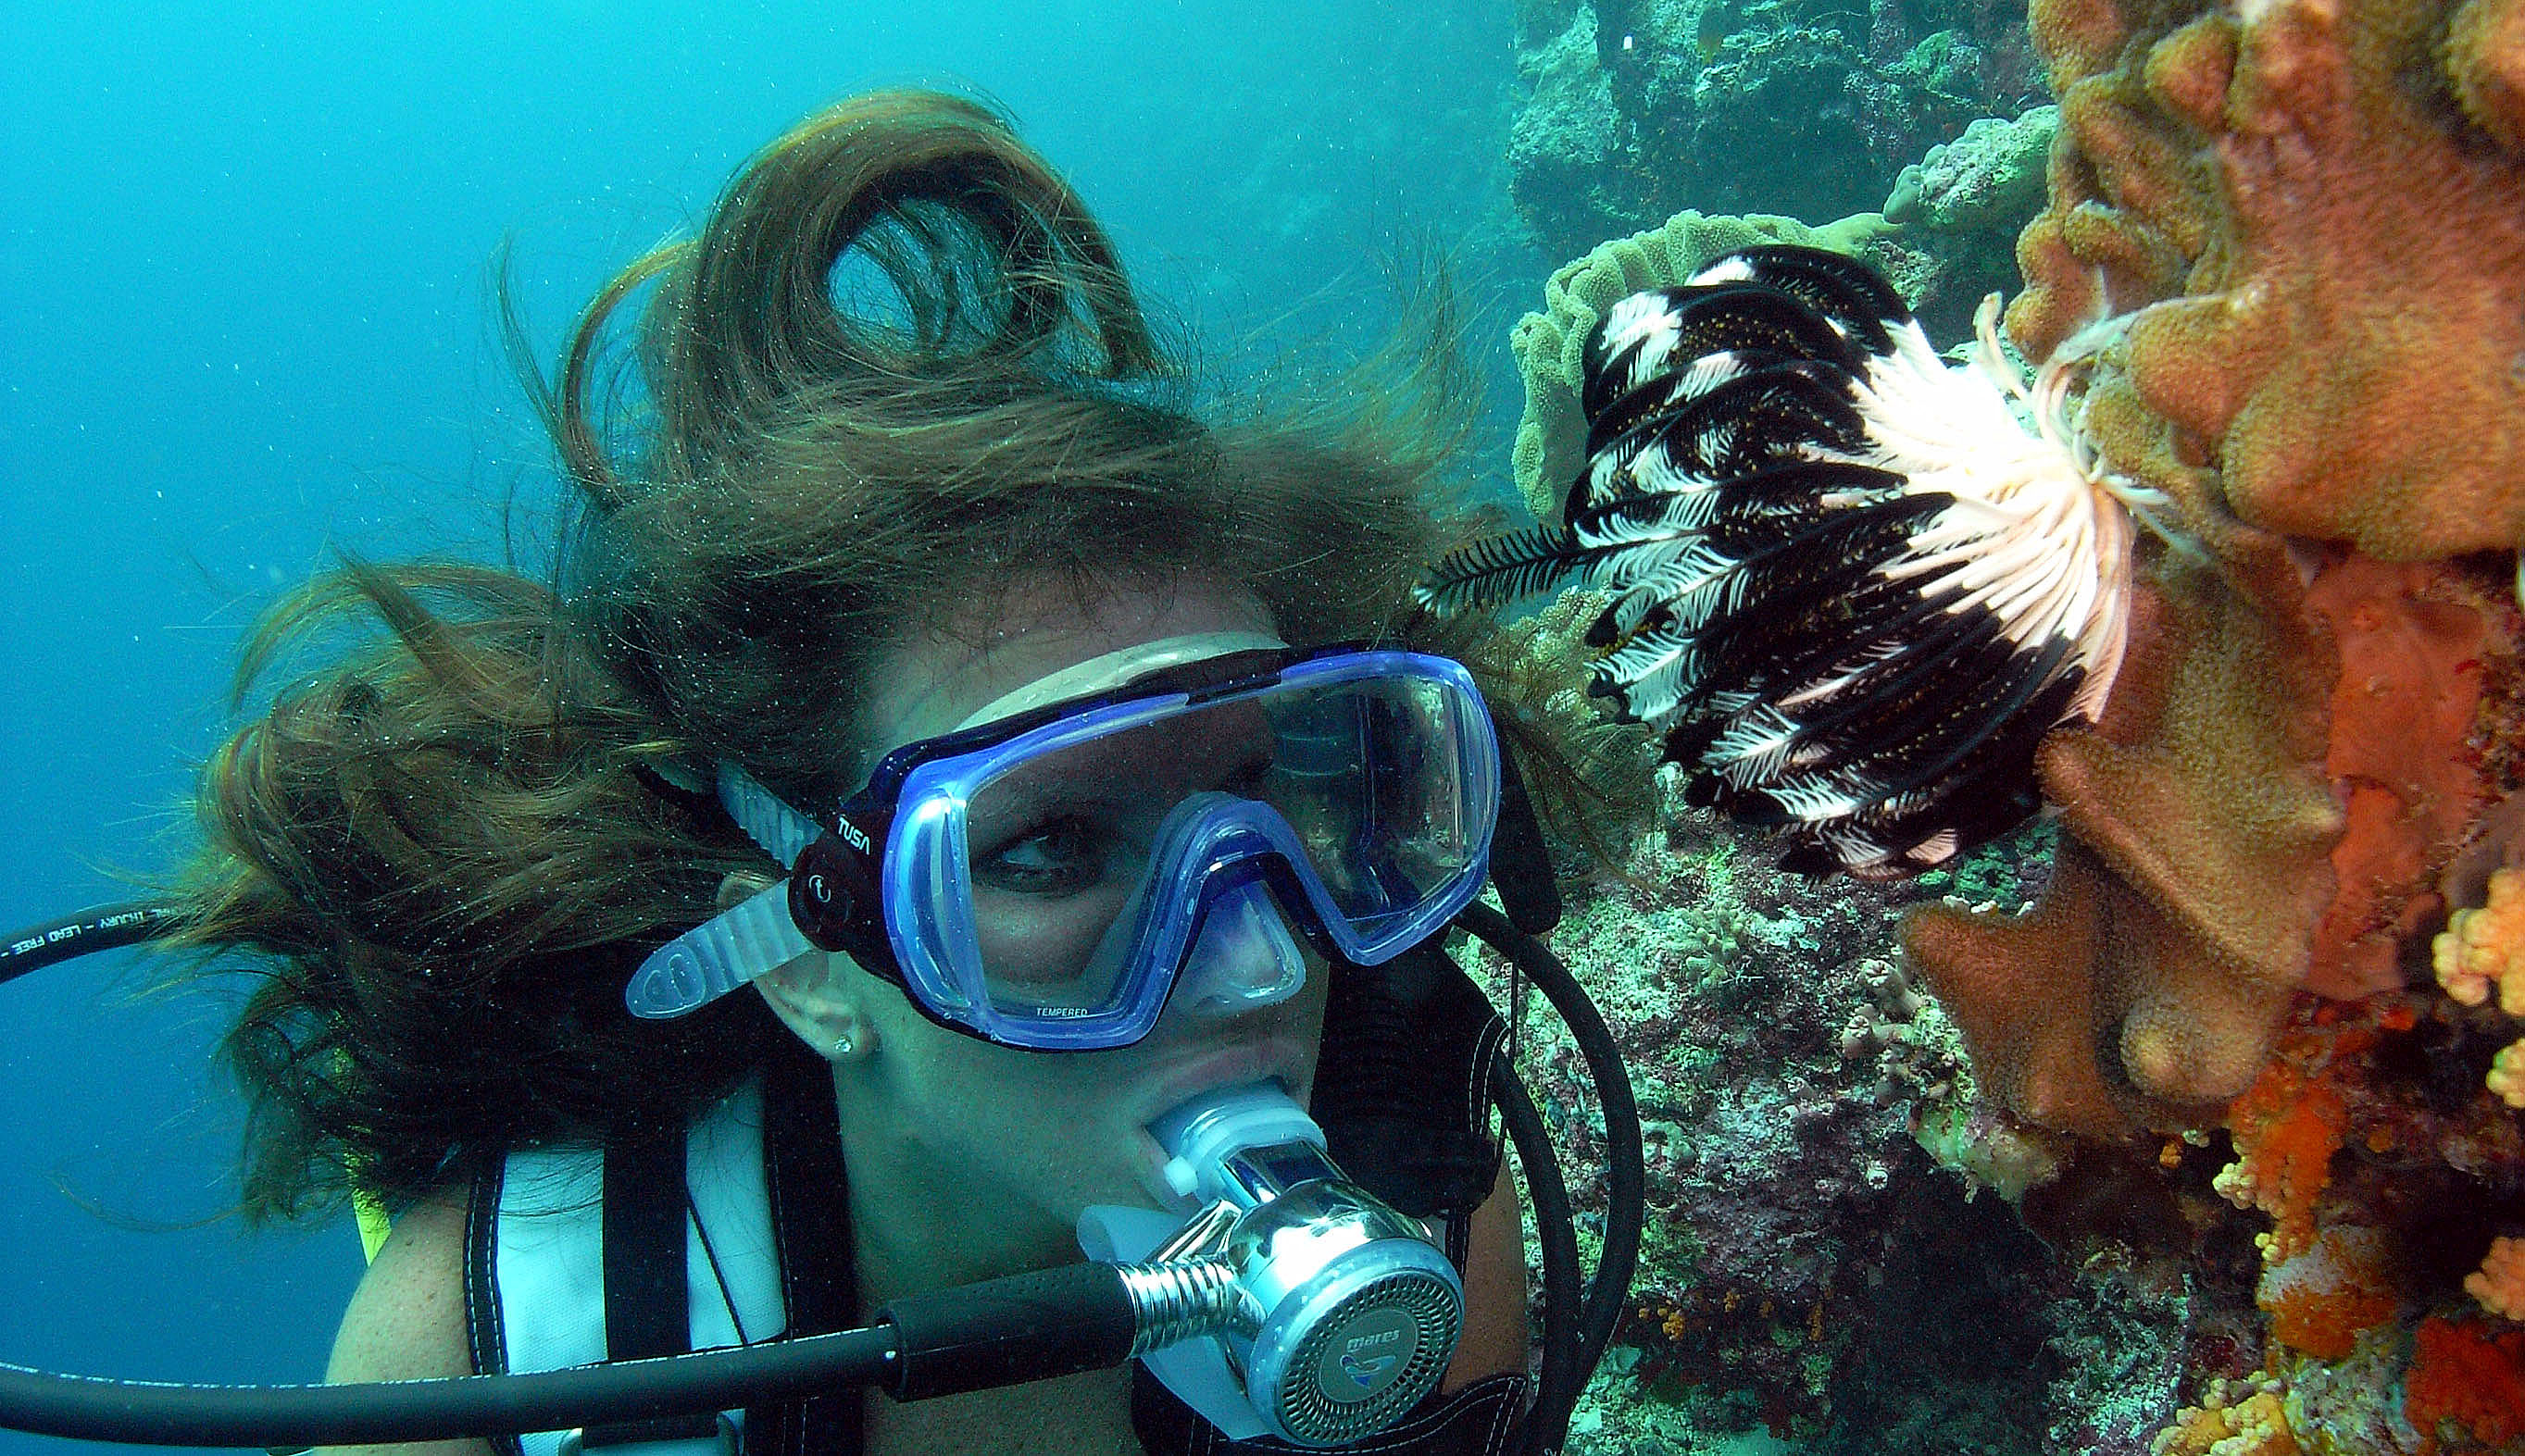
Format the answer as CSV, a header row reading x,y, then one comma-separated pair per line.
x,y
1636,110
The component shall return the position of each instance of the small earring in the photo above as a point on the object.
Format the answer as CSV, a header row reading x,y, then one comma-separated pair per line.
x,y
843,1045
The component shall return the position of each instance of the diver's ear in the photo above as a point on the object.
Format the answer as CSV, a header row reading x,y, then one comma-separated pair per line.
x,y
806,994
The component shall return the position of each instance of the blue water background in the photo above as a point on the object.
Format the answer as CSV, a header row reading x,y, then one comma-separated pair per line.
x,y
243,317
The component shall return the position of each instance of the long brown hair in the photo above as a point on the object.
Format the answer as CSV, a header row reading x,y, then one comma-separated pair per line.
x,y
899,367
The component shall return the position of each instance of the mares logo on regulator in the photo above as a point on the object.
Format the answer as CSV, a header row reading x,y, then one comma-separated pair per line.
x,y
1361,1365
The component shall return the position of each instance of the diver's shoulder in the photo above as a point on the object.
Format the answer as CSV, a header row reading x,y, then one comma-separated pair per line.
x,y
406,1321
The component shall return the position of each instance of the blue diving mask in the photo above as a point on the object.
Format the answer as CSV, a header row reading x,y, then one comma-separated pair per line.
x,y
1141,828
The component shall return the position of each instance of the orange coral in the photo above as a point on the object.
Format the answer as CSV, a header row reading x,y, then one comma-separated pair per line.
x,y
2320,1301
2327,260
2498,1285
2412,644
2285,1131
2462,1374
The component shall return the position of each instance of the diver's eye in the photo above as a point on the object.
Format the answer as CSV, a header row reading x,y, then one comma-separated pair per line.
x,y
1054,857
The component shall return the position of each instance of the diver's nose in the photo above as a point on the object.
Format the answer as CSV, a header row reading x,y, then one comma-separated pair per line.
x,y
1245,959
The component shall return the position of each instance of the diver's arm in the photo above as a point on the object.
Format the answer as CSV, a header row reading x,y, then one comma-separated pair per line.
x,y
1495,1323
406,1319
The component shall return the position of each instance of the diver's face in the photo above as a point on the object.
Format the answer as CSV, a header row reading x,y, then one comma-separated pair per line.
x,y
1035,1137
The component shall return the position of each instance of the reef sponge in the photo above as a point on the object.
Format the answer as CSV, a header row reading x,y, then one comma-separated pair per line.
x,y
1548,345
1989,177
2406,723
2181,911
2312,230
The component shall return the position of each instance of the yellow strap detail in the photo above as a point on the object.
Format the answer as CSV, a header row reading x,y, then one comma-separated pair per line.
x,y
374,1225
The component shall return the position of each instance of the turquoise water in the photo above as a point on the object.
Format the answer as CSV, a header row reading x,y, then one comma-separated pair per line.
x,y
242,263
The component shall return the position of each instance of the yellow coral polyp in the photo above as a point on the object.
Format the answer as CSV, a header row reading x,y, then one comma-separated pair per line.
x,y
2500,1283
2506,1079
2484,949
2230,1422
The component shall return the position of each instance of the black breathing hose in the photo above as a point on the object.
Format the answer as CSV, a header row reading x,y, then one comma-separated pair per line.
x,y
1626,1174
1024,1326
1563,1376
85,933
142,1413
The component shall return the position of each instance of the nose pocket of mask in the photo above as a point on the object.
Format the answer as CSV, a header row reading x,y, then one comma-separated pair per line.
x,y
1245,958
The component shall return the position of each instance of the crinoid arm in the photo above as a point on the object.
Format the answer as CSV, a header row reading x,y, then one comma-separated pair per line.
x,y
1850,587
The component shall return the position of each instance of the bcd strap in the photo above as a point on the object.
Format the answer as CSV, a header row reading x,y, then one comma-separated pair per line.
x,y
647,1293
648,1309
809,1197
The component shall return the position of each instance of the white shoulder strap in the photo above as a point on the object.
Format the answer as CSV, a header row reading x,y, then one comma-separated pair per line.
x,y
547,1259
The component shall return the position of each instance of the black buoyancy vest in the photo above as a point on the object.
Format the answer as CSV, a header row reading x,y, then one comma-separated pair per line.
x,y
560,1242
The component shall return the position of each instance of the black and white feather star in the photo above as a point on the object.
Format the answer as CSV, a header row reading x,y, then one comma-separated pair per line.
x,y
1852,586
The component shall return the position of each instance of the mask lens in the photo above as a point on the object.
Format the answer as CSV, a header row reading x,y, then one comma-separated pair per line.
x,y
1369,774
1088,863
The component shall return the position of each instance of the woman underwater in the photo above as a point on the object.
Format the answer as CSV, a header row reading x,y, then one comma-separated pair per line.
x,y
887,536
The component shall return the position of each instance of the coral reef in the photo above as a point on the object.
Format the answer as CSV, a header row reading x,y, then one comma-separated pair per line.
x,y
1841,1248
1854,1247
1831,1259
2277,1168
1638,109
2313,754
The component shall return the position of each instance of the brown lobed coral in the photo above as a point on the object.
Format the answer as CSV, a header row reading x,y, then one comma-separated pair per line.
x,y
2314,212
2322,203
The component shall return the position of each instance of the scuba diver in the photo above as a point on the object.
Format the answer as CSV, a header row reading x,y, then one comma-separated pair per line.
x,y
955,812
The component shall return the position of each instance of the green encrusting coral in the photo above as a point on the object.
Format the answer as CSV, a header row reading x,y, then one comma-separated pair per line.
x,y
1550,345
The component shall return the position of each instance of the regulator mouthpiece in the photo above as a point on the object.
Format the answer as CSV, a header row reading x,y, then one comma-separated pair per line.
x,y
1331,1314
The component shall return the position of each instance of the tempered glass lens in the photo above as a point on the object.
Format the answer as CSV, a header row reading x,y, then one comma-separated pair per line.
x,y
1060,846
